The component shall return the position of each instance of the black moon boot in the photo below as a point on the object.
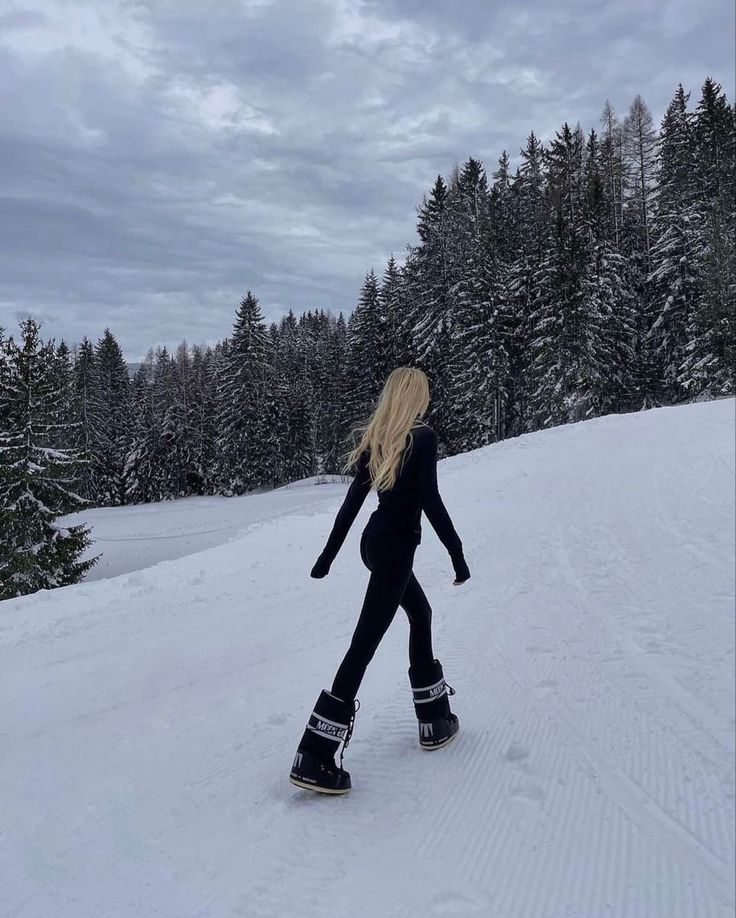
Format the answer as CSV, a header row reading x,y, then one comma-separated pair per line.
x,y
330,727
437,724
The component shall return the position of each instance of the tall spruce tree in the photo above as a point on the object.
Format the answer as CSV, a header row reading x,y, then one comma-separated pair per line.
x,y
676,250
243,459
613,171
202,419
368,347
37,475
88,417
709,360
479,359
115,414
531,226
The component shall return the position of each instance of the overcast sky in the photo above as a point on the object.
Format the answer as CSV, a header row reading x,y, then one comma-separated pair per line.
x,y
157,159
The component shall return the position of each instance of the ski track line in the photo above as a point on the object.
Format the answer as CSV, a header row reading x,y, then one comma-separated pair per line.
x,y
676,838
484,850
513,893
629,794
701,719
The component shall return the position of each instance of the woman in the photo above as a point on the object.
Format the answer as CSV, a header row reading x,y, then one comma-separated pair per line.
x,y
397,455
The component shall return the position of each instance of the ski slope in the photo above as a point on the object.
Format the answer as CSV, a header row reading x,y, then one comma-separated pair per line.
x,y
148,721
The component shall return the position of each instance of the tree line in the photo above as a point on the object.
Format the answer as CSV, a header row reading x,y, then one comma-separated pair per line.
x,y
597,277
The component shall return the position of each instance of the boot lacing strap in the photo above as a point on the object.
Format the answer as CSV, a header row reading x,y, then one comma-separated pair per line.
x,y
349,731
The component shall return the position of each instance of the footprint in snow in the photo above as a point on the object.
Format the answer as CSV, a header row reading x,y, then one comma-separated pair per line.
x,y
527,793
516,752
545,686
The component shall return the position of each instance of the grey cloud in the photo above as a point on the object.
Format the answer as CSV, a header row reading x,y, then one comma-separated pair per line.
x,y
284,146
21,19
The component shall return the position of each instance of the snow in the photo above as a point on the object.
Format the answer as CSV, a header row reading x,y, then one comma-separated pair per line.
x,y
148,721
140,535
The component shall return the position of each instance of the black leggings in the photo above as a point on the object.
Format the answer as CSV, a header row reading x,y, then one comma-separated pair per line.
x,y
392,584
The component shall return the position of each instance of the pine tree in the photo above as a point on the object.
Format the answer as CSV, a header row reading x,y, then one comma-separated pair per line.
x,y
640,151
175,394
295,429
88,416
242,464
531,226
480,363
115,414
709,361
142,463
429,278
676,250
393,302
64,382
202,419
613,302
368,348
37,477
570,345
613,172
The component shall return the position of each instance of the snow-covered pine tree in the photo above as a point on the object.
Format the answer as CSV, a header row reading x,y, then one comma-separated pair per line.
x,y
202,419
677,248
292,371
530,226
4,421
241,465
166,468
276,419
392,299
428,278
141,470
334,416
613,171
430,272
503,231
368,348
640,159
611,290
37,477
87,414
64,381
709,362
174,395
569,344
479,360
638,195
115,407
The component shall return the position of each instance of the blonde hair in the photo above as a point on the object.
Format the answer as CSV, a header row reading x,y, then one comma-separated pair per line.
x,y
403,399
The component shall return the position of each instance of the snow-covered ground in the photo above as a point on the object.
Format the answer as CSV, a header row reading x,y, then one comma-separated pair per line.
x,y
133,537
148,721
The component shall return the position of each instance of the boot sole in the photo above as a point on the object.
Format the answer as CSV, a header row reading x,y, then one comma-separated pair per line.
x,y
439,745
317,789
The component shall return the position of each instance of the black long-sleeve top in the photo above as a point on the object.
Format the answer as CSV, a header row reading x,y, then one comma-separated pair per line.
x,y
400,508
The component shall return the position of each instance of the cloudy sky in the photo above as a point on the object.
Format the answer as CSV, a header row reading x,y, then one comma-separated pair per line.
x,y
157,160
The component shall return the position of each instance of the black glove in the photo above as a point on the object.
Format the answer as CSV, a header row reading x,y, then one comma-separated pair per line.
x,y
461,569
321,567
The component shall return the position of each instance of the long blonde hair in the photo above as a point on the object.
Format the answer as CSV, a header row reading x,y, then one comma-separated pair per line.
x,y
403,400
